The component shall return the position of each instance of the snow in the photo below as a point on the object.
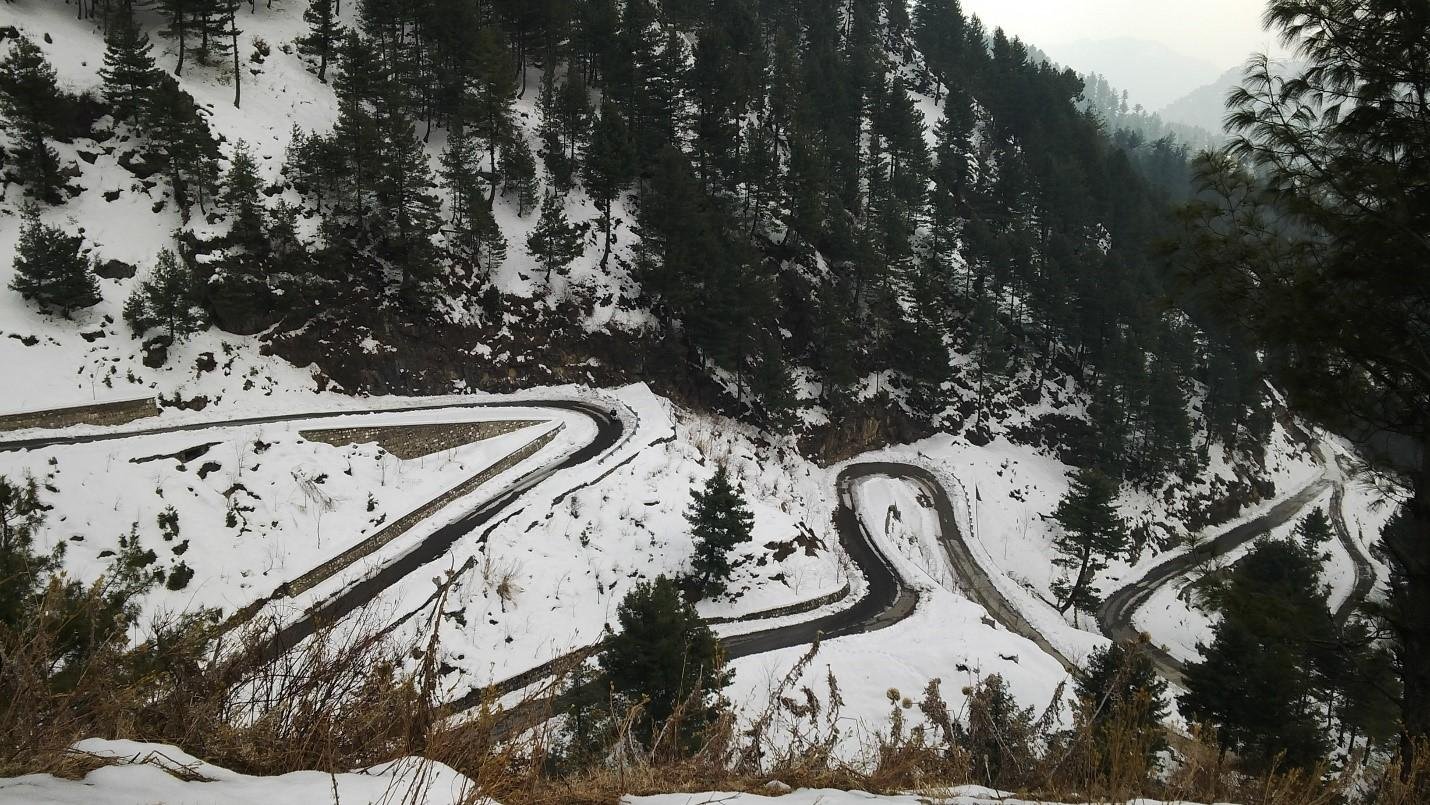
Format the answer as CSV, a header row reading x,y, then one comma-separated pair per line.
x,y
147,773
566,563
948,637
547,579
259,507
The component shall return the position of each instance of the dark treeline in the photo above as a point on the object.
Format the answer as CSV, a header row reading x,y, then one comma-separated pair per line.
x,y
798,200
792,207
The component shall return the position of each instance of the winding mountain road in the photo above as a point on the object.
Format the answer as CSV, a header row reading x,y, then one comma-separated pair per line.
x,y
886,598
1115,616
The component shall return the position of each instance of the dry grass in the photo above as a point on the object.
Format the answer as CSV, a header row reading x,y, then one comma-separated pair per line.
x,y
352,699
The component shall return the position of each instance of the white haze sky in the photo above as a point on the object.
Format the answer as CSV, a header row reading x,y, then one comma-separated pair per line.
x,y
1222,32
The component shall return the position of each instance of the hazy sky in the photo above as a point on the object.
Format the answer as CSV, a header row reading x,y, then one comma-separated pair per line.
x,y
1222,32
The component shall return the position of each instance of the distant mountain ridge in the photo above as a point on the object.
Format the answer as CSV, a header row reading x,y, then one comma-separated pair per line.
x,y
1205,106
1153,74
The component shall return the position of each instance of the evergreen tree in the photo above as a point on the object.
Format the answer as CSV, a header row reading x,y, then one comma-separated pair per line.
x,y
1304,236
22,513
241,191
475,237
667,657
167,299
406,214
1091,532
1314,531
51,269
324,34
565,126
519,173
28,103
1268,660
129,72
608,167
1121,690
999,734
554,242
179,14
80,620
720,523
182,137
495,88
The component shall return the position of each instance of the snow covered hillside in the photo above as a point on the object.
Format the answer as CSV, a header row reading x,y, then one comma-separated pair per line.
x,y
907,331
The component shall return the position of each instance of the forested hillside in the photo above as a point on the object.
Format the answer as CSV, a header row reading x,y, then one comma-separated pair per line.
x,y
850,218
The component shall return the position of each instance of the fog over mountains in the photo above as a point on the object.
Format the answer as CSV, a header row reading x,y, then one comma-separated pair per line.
x,y
1153,74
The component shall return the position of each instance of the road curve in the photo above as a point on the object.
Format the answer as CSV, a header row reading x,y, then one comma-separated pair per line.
x,y
609,431
887,598
1115,614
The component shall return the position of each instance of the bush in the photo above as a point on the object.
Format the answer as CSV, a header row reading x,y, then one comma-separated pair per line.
x,y
179,577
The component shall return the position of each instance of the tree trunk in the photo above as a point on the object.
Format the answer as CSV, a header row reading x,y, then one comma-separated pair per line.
x,y
179,23
233,38
606,226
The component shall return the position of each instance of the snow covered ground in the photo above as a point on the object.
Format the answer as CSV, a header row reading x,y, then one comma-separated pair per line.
x,y
547,578
252,507
148,773
145,773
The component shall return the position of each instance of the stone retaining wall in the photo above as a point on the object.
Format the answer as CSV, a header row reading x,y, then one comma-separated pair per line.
x,y
106,413
416,441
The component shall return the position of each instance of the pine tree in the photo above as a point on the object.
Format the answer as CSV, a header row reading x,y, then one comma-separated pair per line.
x,y
51,269
999,734
324,34
129,72
554,242
1091,532
665,655
494,91
1121,690
551,132
179,14
608,167
28,102
1303,238
408,216
519,173
181,134
22,513
1268,660
241,191
1314,531
167,299
475,235
720,523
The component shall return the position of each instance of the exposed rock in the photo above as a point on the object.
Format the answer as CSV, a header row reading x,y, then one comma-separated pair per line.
x,y
156,351
115,269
